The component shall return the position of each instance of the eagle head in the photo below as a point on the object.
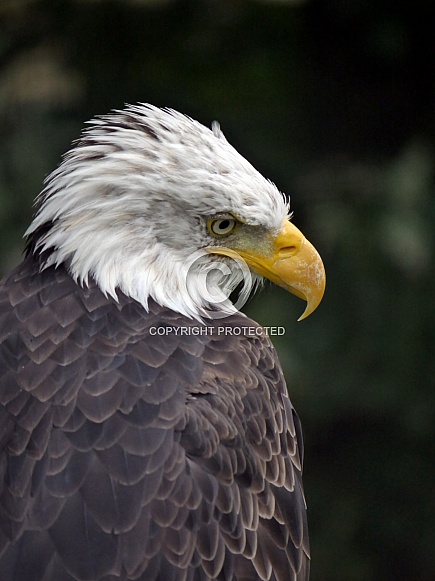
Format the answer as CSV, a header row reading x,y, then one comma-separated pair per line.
x,y
153,204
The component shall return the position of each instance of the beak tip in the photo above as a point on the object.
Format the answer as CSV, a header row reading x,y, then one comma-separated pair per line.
x,y
314,298
308,310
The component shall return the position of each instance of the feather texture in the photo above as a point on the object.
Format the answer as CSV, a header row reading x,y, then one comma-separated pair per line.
x,y
125,455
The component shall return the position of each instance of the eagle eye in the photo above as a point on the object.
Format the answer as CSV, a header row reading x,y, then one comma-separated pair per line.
x,y
222,226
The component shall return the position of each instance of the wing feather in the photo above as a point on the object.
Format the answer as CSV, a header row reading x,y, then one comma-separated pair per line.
x,y
126,455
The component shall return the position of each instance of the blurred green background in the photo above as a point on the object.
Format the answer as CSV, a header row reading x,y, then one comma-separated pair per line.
x,y
334,101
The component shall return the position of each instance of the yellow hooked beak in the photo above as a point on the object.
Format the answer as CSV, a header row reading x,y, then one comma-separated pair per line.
x,y
293,264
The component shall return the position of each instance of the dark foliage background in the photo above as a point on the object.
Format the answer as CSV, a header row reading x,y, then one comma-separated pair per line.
x,y
335,102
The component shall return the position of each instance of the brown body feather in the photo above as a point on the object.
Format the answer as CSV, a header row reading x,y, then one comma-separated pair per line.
x,y
130,456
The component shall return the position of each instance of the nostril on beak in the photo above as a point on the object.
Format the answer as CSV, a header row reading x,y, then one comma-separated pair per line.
x,y
287,251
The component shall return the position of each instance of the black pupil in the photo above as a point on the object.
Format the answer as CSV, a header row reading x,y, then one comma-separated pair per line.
x,y
224,224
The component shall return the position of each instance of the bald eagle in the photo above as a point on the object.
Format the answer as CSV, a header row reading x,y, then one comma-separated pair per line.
x,y
145,427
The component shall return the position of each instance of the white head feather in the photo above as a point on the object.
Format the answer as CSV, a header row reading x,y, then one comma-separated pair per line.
x,y
129,204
